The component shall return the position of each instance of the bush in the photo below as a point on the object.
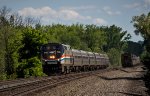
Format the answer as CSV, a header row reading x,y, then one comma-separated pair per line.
x,y
114,57
30,67
145,58
2,76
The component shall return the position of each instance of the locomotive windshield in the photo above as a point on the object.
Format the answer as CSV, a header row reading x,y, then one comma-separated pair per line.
x,y
51,51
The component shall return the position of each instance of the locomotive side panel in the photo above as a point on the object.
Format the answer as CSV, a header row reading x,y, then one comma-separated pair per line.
x,y
67,57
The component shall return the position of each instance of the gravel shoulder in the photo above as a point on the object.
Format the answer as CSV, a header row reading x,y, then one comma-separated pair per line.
x,y
124,82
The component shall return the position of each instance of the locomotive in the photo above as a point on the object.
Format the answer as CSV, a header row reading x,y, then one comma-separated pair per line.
x,y
58,57
129,60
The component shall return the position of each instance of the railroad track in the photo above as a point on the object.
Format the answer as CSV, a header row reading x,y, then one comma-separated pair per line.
x,y
36,85
8,83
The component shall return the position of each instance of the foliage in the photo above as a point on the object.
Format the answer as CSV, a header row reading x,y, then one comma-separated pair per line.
x,y
30,67
32,40
114,57
116,41
94,37
142,25
145,56
10,43
116,38
134,48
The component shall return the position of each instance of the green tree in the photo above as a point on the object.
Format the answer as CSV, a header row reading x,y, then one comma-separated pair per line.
x,y
116,41
10,41
32,40
114,57
135,48
94,37
30,67
29,63
142,25
116,38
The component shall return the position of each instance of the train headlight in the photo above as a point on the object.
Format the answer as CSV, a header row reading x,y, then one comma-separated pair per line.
x,y
52,57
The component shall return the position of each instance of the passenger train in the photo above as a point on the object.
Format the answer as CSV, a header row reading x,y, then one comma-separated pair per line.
x,y
61,58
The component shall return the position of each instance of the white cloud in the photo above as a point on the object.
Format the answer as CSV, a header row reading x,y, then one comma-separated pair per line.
x,y
37,12
147,3
106,8
139,5
48,14
69,14
109,11
134,5
99,21
80,7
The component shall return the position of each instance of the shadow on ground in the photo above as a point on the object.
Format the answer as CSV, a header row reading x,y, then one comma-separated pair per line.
x,y
147,81
120,78
130,71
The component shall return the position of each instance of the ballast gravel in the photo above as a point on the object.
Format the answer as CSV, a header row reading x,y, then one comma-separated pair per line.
x,y
119,82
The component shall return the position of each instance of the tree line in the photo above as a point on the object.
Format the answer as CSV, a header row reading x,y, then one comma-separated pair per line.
x,y
21,38
142,25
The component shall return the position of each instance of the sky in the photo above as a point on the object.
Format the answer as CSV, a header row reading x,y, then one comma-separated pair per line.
x,y
98,12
